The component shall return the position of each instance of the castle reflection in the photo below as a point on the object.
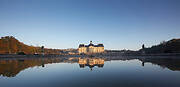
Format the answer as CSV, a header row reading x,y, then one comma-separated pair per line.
x,y
91,62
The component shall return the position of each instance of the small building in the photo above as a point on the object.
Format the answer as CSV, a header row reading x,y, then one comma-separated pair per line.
x,y
91,48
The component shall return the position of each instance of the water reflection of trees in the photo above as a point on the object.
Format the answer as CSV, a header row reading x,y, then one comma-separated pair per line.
x,y
172,64
164,62
10,68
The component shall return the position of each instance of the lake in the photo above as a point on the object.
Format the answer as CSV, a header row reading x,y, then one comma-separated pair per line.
x,y
89,72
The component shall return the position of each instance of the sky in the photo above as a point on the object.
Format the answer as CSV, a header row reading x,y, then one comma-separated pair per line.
x,y
118,24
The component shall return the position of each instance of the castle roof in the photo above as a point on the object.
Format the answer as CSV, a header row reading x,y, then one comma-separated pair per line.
x,y
99,45
81,45
91,44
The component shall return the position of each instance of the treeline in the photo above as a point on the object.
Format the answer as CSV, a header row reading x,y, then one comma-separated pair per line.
x,y
171,46
10,45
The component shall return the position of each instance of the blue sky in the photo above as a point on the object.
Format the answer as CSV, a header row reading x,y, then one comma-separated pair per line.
x,y
118,24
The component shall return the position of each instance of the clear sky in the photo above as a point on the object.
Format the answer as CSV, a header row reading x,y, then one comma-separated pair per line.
x,y
118,24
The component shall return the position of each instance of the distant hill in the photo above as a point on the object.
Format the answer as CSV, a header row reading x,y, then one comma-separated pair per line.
x,y
10,45
171,46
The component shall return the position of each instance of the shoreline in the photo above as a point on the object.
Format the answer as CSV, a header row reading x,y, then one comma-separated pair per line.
x,y
136,56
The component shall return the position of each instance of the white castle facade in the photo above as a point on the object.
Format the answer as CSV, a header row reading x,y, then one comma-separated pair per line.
x,y
91,48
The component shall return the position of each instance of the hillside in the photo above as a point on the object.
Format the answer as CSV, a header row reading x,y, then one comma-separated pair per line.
x,y
10,45
171,46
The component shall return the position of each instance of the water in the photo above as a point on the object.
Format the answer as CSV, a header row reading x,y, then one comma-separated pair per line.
x,y
89,72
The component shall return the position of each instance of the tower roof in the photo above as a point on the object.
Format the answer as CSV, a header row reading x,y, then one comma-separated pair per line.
x,y
91,44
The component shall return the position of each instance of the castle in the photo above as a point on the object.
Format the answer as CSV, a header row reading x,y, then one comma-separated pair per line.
x,y
91,48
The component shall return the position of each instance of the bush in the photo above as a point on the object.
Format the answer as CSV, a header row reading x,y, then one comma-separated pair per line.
x,y
21,53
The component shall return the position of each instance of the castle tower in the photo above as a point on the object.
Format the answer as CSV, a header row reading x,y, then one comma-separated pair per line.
x,y
91,42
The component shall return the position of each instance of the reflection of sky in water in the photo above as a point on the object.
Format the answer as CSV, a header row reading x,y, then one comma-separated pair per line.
x,y
129,73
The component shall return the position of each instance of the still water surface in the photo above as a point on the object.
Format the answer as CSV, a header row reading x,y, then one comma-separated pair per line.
x,y
89,72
